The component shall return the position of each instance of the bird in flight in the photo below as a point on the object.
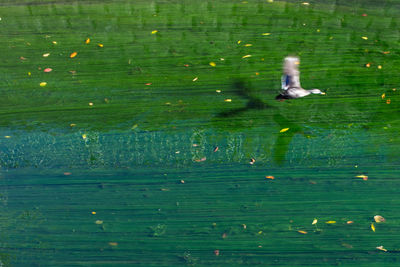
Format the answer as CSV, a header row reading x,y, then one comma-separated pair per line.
x,y
291,87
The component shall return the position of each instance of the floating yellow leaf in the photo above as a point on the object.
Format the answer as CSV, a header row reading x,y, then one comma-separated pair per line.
x,y
228,100
212,64
73,54
330,222
54,42
379,67
365,37
84,136
99,222
218,91
87,41
314,221
90,104
379,219
305,3
72,125
100,45
46,54
383,96
239,41
368,65
43,84
113,244
364,177
195,79
29,73
372,227
266,33
302,232
93,212
7,136
284,130
154,32
248,45
246,56
381,248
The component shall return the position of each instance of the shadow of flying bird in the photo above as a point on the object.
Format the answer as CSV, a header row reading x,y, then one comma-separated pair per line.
x,y
245,92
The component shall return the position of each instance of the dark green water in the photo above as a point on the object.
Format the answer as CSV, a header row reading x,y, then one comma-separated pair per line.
x,y
132,179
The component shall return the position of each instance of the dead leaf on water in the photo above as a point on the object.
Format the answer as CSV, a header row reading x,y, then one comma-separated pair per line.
x,y
87,41
43,84
113,244
99,222
212,64
228,100
195,79
314,221
388,101
383,95
154,32
246,56
284,130
379,219
364,177
372,227
46,54
270,177
266,33
302,232
364,37
73,54
381,248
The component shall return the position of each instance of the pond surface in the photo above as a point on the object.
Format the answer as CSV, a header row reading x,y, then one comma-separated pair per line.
x,y
146,133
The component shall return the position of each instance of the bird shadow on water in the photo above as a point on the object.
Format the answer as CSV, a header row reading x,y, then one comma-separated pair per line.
x,y
270,115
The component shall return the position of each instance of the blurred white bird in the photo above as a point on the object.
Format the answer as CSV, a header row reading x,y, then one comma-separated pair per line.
x,y
291,87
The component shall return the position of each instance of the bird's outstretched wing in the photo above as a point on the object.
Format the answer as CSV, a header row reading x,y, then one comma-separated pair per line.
x,y
291,74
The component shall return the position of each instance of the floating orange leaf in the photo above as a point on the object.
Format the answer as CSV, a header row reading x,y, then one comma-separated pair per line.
x,y
368,65
388,101
349,222
383,95
215,149
87,41
302,232
270,177
386,52
73,54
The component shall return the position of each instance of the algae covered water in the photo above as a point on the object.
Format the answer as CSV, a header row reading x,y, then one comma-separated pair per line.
x,y
146,133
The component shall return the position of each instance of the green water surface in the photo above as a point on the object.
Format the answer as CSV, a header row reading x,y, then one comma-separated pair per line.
x,y
138,150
